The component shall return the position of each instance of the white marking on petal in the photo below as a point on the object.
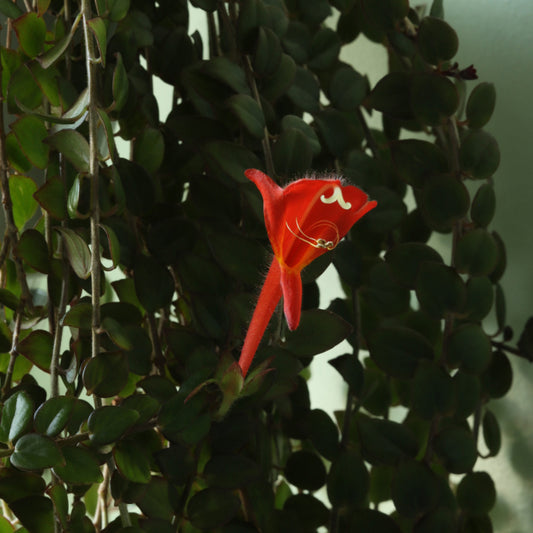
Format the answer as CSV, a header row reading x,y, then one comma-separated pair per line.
x,y
336,196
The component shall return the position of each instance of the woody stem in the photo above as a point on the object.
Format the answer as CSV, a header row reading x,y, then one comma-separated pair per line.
x,y
266,305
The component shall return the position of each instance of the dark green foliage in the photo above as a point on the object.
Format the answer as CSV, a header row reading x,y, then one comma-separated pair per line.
x,y
128,275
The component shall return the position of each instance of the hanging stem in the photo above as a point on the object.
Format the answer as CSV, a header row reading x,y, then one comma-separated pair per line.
x,y
93,174
12,354
265,142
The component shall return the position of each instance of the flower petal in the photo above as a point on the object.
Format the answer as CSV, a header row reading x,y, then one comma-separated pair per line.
x,y
273,205
291,285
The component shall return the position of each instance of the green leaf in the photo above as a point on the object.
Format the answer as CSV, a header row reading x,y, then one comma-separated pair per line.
x,y
294,122
406,259
118,10
227,159
97,26
476,493
444,200
73,146
80,413
35,452
21,189
36,513
469,347
80,468
416,160
108,132
15,155
211,508
476,253
37,347
117,333
48,83
292,153
382,293
347,88
144,405
33,250
348,480
42,6
414,489
149,149
501,265
52,198
77,250
154,284
379,18
132,461
79,316
30,133
432,392
372,520
479,298
237,255
120,84
186,422
437,9
480,105
123,312
248,113
267,54
17,414
324,49
525,342
351,370
58,49
310,511
437,40
227,72
388,214
491,433
398,350
467,393
53,415
392,95
137,185
456,449
385,442
16,485
10,10
108,423
479,154
433,98
305,470
483,205
340,130
305,91
113,245
278,83
230,471
319,331
58,494
8,299
323,433
31,33
106,374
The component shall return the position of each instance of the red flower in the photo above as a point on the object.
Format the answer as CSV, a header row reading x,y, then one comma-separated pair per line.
x,y
303,220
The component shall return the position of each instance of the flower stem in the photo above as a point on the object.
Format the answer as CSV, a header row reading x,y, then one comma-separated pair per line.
x,y
266,305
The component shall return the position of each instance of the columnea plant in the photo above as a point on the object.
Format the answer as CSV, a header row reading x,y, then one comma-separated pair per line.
x,y
132,397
